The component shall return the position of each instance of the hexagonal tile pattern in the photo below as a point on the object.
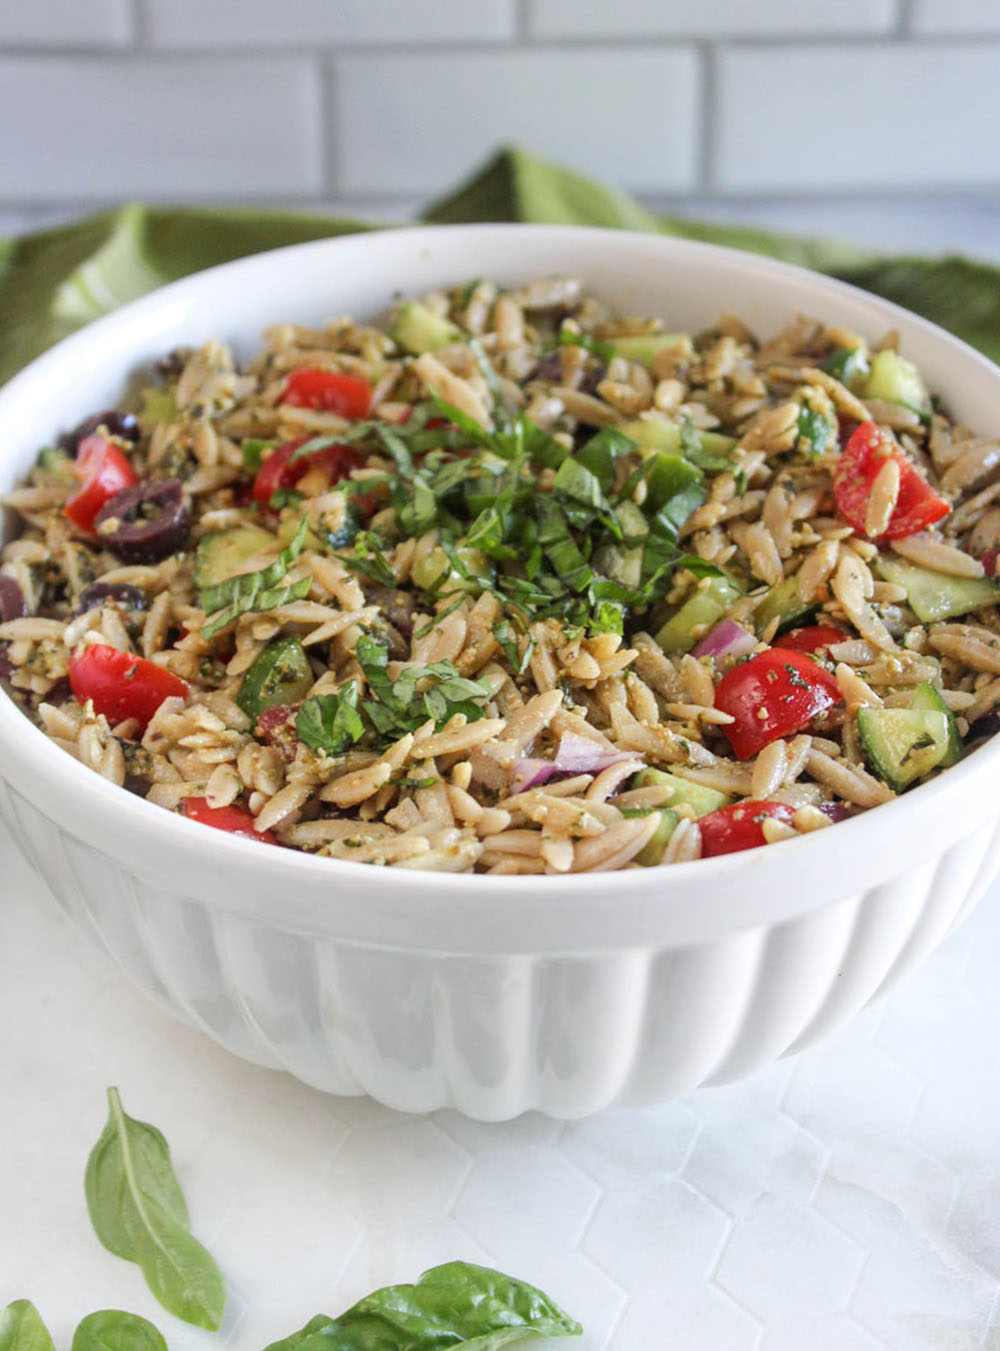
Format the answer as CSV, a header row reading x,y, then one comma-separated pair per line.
x,y
845,1200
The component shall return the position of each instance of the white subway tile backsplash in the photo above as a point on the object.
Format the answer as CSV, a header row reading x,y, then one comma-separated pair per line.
x,y
805,118
955,16
104,127
415,124
242,23
707,18
65,23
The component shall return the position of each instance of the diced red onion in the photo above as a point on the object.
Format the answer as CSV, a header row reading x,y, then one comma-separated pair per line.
x,y
836,811
531,774
727,639
579,755
576,755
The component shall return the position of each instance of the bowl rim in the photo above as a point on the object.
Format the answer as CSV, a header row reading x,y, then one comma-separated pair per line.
x,y
43,758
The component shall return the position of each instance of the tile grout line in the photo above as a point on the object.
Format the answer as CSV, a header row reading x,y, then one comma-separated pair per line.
x,y
706,131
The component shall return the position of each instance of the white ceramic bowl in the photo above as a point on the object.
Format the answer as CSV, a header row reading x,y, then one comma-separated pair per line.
x,y
490,994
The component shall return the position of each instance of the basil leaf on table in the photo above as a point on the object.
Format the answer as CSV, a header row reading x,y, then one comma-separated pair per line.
x,y
116,1330
22,1329
455,1305
138,1212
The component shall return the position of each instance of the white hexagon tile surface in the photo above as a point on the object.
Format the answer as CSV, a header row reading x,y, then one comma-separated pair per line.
x,y
847,1200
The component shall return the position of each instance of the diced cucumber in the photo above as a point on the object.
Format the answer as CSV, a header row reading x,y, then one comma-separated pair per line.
x,y
417,328
702,609
903,744
701,800
783,603
226,552
633,523
158,405
621,564
927,699
651,434
435,567
895,380
280,675
645,347
651,855
938,595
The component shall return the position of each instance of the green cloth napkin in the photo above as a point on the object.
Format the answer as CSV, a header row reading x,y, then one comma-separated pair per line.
x,y
54,282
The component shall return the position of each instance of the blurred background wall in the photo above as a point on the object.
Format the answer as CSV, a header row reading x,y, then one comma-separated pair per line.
x,y
875,119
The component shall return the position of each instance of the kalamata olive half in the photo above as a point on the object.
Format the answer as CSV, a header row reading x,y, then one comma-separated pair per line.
x,y
12,604
120,424
99,593
144,523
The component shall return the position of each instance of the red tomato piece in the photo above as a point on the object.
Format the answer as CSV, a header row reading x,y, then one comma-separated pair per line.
x,y
276,727
232,819
917,505
279,470
329,391
772,695
103,472
120,685
741,826
989,561
813,638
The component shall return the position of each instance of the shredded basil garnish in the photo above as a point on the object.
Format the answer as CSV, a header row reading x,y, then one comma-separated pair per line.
x,y
254,591
331,722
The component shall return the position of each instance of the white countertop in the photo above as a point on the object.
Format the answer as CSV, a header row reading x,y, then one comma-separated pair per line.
x,y
846,1200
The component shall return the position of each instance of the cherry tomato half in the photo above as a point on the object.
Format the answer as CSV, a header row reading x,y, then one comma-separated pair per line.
x,y
103,471
279,470
120,685
813,638
330,392
232,819
772,695
917,506
741,826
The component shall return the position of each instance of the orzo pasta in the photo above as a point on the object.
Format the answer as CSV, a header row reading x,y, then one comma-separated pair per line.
x,y
514,585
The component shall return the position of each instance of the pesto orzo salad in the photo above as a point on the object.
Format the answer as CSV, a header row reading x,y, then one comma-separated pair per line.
x,y
514,584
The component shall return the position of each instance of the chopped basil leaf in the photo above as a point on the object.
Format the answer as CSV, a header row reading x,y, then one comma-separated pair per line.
x,y
817,432
602,350
396,706
254,452
331,722
254,591
284,497
369,559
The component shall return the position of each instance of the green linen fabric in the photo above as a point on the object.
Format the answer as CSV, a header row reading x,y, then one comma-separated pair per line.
x,y
57,280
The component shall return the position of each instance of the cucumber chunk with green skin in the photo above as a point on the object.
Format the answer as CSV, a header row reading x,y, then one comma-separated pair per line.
x,y
938,595
651,434
621,564
893,379
927,699
280,675
700,612
783,603
903,744
700,799
633,523
651,854
226,552
645,347
418,329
